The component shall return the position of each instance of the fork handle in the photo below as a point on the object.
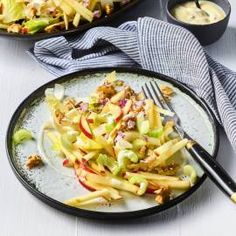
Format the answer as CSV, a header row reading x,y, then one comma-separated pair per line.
x,y
213,170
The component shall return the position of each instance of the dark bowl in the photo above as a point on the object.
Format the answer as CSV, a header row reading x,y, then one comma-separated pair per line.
x,y
73,31
206,34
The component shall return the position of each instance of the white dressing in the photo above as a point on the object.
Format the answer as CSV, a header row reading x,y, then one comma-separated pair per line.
x,y
189,13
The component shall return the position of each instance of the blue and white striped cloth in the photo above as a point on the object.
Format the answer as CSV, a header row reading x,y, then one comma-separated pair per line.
x,y
153,45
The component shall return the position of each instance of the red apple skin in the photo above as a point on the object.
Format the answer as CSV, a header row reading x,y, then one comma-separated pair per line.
x,y
82,124
67,163
116,111
117,119
90,121
84,166
86,185
127,107
150,190
82,179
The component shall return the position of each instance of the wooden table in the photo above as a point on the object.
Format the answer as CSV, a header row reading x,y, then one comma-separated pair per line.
x,y
207,212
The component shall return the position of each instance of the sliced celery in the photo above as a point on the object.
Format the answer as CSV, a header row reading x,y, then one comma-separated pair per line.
x,y
22,135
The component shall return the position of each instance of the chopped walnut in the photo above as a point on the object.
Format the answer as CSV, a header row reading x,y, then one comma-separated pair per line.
x,y
59,116
151,156
140,96
170,169
128,122
33,161
128,91
141,166
14,28
167,91
163,195
69,103
107,90
142,151
52,11
138,106
108,9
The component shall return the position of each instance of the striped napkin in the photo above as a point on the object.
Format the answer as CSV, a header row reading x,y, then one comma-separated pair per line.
x,y
153,45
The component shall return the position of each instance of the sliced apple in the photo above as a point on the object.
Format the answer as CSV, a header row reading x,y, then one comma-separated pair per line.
x,y
91,118
79,171
105,109
84,126
127,107
113,133
113,182
86,144
123,144
100,130
68,163
88,197
90,155
117,97
151,189
149,109
113,192
91,186
116,112
86,184
84,166
106,145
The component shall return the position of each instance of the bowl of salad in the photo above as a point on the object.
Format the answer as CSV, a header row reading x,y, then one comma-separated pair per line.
x,y
35,19
92,145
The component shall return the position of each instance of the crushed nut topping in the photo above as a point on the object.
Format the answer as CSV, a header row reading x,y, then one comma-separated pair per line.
x,y
170,170
167,92
142,151
59,116
14,28
151,156
33,161
163,195
128,91
69,103
107,90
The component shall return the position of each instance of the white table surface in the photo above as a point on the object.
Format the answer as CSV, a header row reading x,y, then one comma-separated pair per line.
x,y
206,212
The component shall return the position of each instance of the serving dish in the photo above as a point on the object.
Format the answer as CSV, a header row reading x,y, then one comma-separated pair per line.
x,y
81,28
206,34
52,188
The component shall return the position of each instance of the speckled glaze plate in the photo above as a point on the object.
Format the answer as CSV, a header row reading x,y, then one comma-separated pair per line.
x,y
53,183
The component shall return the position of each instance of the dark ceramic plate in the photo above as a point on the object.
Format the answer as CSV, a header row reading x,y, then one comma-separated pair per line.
x,y
72,31
53,183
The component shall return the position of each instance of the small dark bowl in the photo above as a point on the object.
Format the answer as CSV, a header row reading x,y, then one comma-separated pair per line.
x,y
206,34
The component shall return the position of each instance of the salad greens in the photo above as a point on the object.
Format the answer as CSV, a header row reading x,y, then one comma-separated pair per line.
x,y
116,140
32,16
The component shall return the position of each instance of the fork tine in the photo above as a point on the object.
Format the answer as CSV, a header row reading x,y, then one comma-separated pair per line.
x,y
149,94
157,95
144,92
162,98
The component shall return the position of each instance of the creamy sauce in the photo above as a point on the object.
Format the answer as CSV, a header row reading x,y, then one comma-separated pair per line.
x,y
189,13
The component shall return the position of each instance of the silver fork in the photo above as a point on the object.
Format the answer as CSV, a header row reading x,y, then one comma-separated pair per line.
x,y
211,167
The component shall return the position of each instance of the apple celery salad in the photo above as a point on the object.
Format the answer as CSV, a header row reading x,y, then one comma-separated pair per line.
x,y
32,16
116,140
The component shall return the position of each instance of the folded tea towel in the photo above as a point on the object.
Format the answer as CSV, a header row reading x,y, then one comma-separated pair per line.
x,y
150,44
